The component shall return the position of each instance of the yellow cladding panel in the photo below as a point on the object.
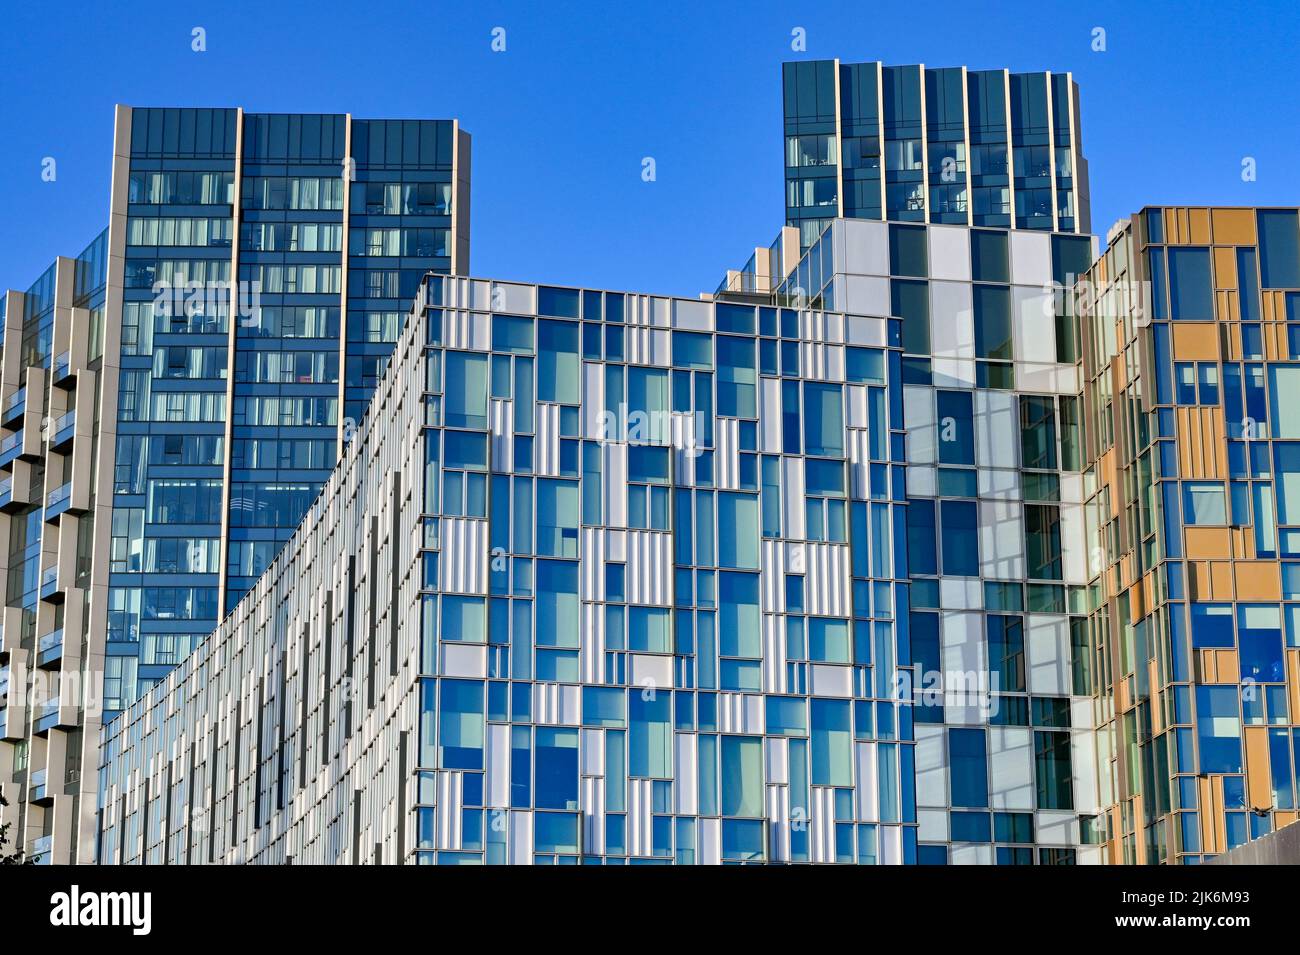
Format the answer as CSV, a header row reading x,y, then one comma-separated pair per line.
x,y
1198,221
1258,580
1157,708
1221,579
1233,226
1227,666
1243,543
1209,666
1225,268
1137,601
1275,341
1196,341
1259,782
1172,235
1226,306
1208,542
1220,819
1232,340
1208,829
1210,579
1293,681
1202,451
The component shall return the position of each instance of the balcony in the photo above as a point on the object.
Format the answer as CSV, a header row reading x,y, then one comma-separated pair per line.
x,y
10,448
39,793
63,431
50,585
47,717
40,854
49,650
57,503
13,407
63,374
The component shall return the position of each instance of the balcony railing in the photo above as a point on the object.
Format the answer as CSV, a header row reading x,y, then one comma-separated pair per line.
x,y
13,406
57,502
47,715
50,648
62,370
40,853
11,447
64,430
49,581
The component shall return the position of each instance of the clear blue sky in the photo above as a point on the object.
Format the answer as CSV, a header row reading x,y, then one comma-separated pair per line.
x,y
562,119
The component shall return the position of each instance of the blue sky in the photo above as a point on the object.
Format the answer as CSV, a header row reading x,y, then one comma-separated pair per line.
x,y
563,118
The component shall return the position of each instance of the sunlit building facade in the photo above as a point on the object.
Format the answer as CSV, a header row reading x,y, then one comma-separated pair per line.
x,y
266,264
596,582
916,144
933,536
53,366
175,398
1000,678
1191,365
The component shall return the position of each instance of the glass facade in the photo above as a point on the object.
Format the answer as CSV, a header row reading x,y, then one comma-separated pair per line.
x,y
932,537
269,262
655,610
1191,344
911,144
994,526
51,364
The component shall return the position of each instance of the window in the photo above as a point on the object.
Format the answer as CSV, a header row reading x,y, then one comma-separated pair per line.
x,y
993,322
737,377
1006,638
1055,788
828,640
831,743
1218,727
464,619
558,364
1037,432
466,390
968,768
738,518
648,630
815,150
558,513
742,775
910,301
955,429
460,724
1279,249
921,554
692,350
823,420
907,251
650,735
959,529
739,626
1043,541
989,258
1190,295
556,762
1203,503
